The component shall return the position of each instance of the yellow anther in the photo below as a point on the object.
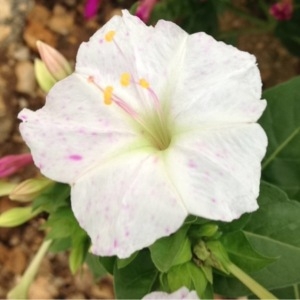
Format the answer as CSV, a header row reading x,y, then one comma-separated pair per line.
x,y
144,83
125,79
108,95
110,36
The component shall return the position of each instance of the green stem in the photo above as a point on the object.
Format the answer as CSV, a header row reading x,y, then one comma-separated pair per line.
x,y
296,291
280,148
21,289
249,282
245,15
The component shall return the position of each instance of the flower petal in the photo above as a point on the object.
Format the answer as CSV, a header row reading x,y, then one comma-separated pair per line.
x,y
75,130
127,204
126,46
217,171
182,293
217,83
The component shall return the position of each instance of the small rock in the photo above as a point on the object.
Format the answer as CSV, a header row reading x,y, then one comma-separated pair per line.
x,y
21,53
5,11
42,288
34,31
62,21
3,108
5,31
25,77
39,14
6,127
17,261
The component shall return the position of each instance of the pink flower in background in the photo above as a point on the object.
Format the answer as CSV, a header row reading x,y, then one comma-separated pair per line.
x,y
182,293
11,164
153,125
144,9
282,10
91,8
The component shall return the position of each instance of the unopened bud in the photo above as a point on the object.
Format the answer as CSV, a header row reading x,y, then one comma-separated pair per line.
x,y
43,76
55,62
6,188
144,9
10,164
282,10
208,230
29,189
17,216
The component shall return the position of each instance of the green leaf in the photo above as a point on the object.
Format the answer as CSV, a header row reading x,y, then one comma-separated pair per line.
x,y
172,250
179,276
281,121
80,246
62,223
53,198
59,245
273,231
136,279
242,253
235,225
108,262
122,263
188,275
95,266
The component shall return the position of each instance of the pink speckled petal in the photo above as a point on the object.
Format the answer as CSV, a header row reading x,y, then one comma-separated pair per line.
x,y
182,293
217,170
217,84
75,130
144,52
127,204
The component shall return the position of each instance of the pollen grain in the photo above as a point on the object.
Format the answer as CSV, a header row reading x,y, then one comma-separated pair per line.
x,y
110,36
144,83
125,79
108,91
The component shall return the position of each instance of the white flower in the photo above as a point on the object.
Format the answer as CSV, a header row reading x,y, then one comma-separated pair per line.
x,y
182,293
154,124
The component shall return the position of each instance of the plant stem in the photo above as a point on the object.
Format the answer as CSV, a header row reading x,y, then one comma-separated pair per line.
x,y
296,291
280,147
21,289
250,283
245,15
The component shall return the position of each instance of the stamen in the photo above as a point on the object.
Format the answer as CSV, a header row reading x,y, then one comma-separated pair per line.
x,y
144,83
125,79
110,36
108,91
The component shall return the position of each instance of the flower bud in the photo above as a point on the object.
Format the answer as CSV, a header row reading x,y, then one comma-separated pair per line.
x,y
90,8
29,189
144,9
208,230
6,188
56,63
10,164
282,10
17,216
43,76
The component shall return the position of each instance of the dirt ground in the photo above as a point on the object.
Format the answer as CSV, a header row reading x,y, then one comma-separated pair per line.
x,y
60,23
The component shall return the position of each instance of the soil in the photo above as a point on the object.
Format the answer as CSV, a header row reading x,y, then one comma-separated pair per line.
x,y
60,23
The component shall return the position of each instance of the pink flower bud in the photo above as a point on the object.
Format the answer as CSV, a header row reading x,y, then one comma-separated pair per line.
x,y
10,164
144,9
91,7
283,10
56,63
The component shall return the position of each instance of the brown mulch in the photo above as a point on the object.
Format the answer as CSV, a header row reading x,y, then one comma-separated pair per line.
x,y
60,23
